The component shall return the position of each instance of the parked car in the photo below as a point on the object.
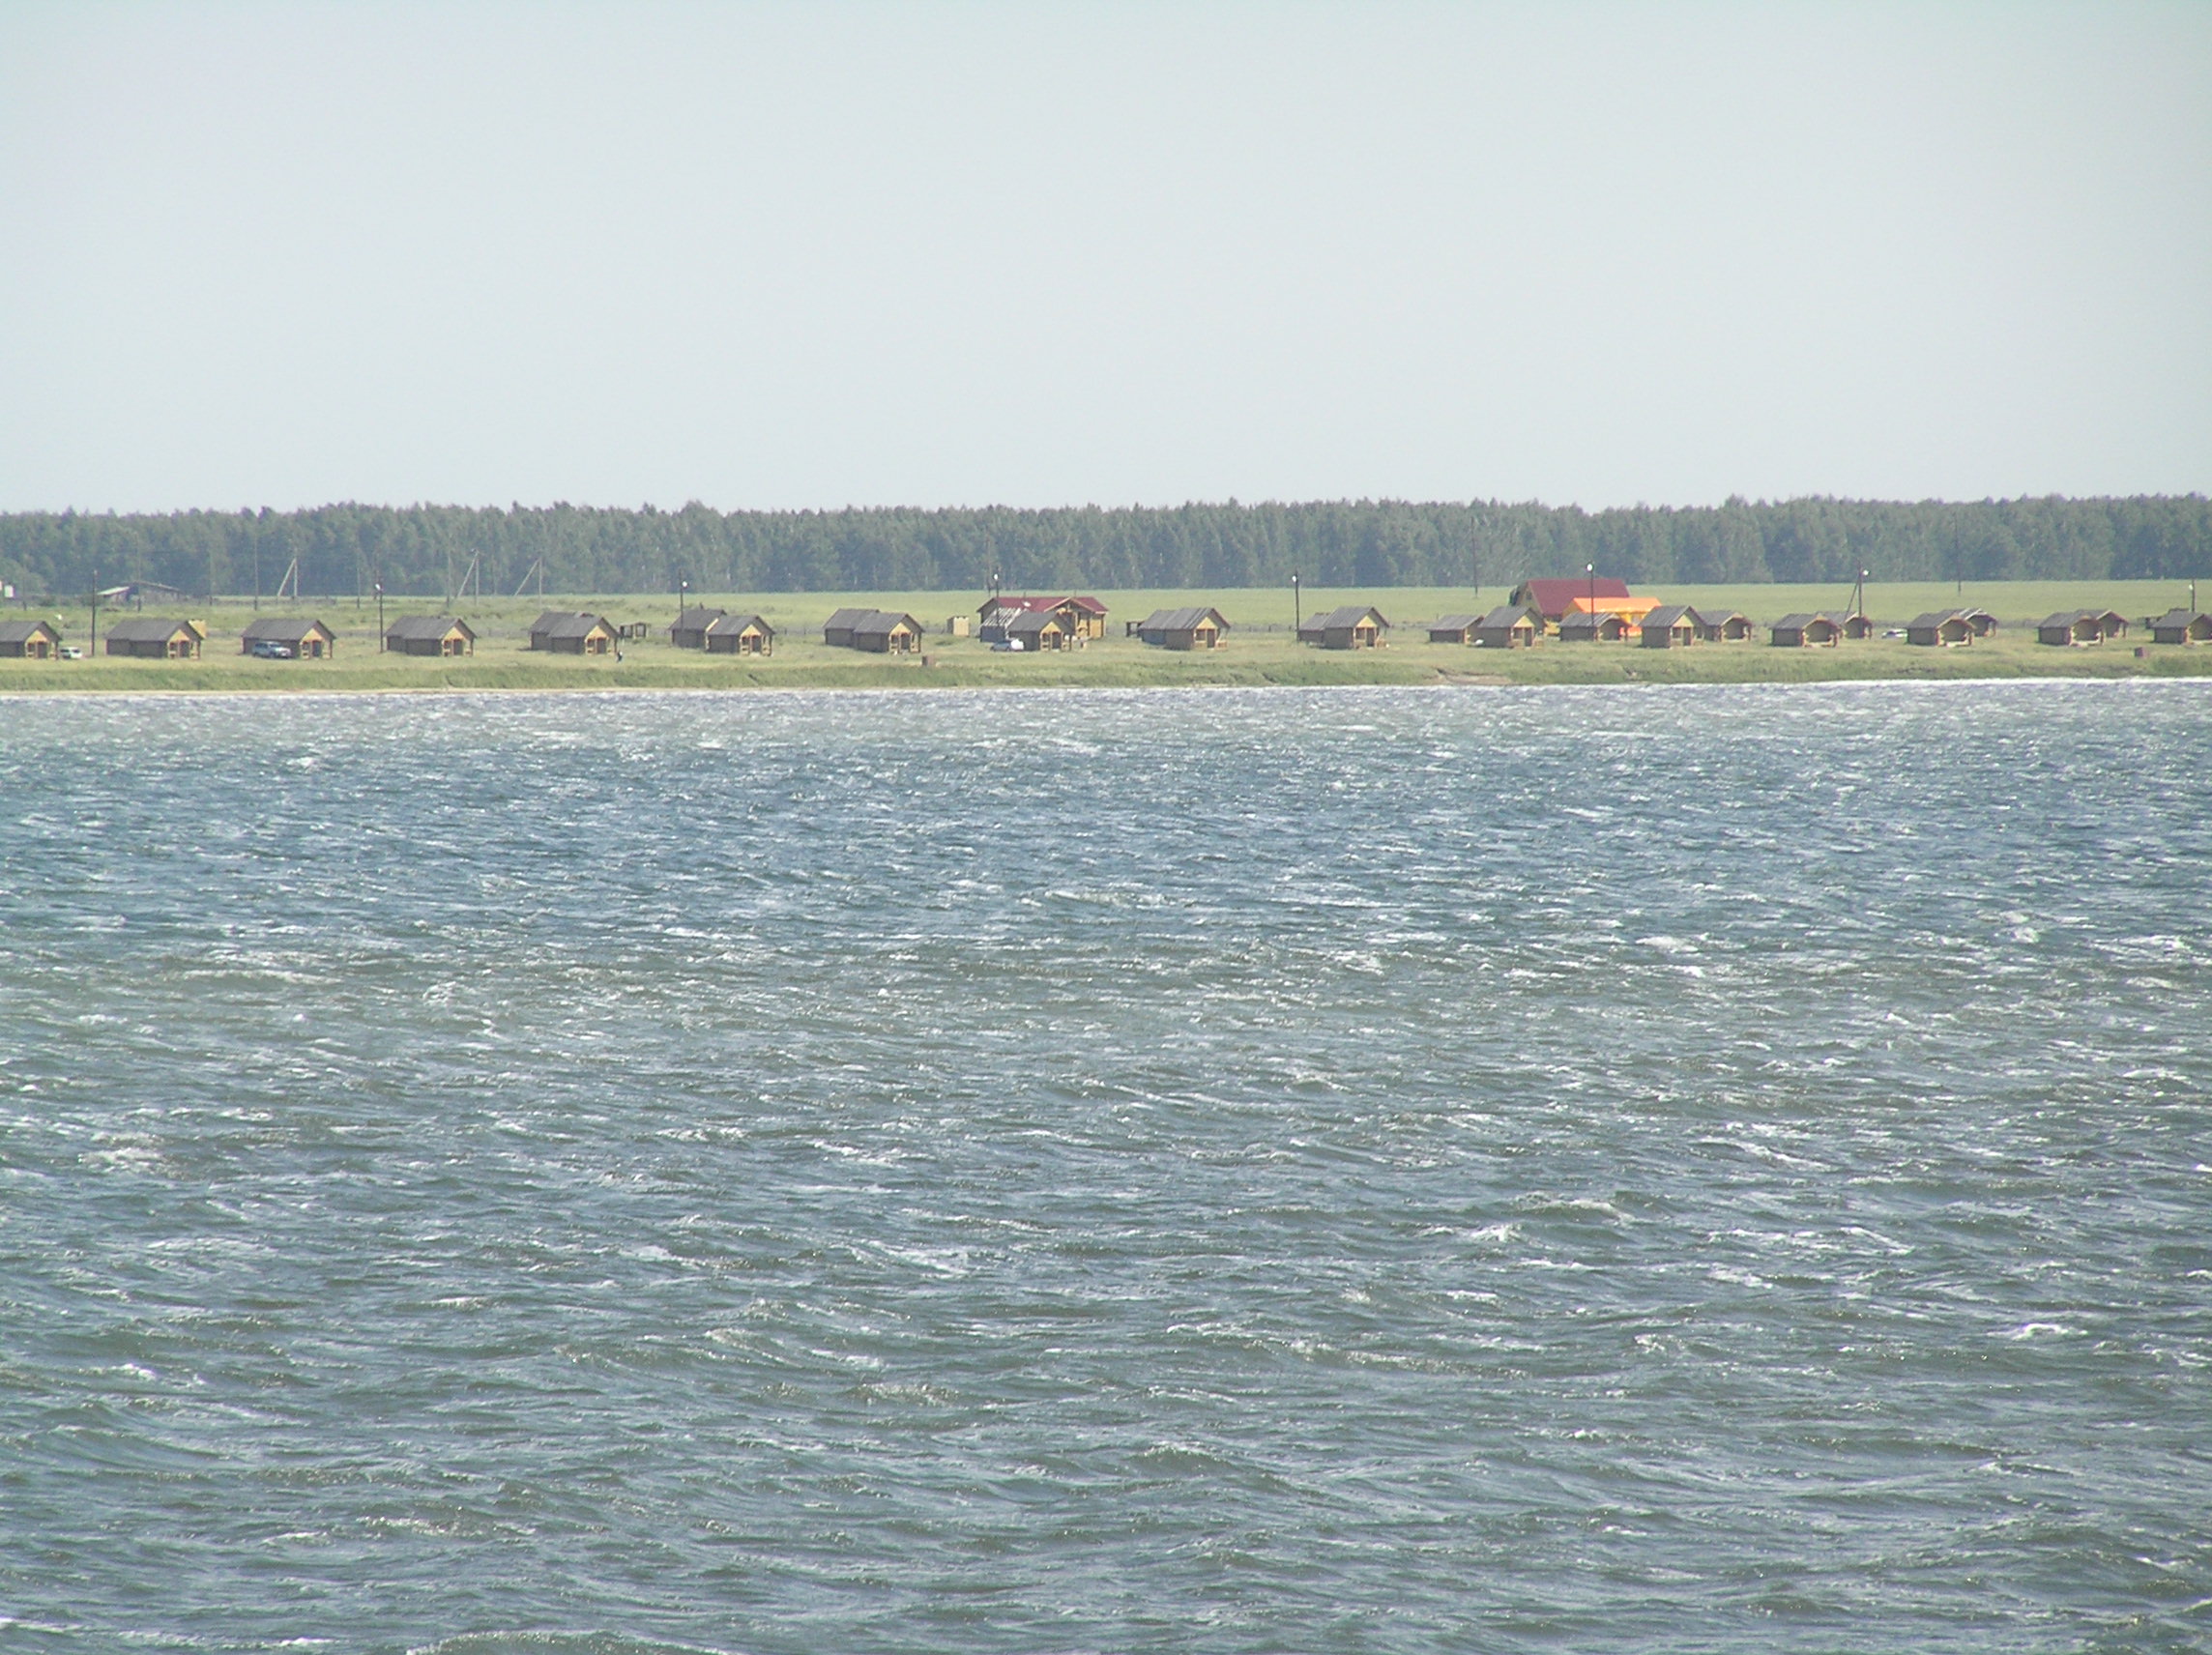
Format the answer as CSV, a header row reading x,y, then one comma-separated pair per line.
x,y
71,652
270,649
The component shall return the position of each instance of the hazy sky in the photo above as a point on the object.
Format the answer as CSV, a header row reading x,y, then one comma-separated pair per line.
x,y
828,254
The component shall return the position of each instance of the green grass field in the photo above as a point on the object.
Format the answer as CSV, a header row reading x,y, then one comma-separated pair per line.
x,y
1262,648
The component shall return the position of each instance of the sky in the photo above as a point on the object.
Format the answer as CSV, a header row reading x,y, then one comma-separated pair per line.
x,y
784,256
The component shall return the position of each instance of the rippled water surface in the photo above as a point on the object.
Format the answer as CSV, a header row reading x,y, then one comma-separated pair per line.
x,y
1717,1169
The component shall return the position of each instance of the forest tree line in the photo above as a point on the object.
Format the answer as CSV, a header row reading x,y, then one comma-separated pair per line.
x,y
426,550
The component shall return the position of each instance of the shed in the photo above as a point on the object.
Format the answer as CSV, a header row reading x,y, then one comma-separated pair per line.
x,y
1193,627
1549,598
886,633
688,631
1721,625
2111,623
1347,626
1856,627
1037,629
739,635
572,632
1508,627
431,635
1981,621
1453,629
29,640
157,639
1583,627
1945,628
2070,626
1671,627
2182,627
307,640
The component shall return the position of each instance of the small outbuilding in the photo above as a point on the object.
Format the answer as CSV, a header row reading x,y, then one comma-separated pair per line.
x,y
30,640
1508,627
431,635
160,640
1721,625
1192,628
572,632
1453,629
1349,627
739,635
1671,627
1856,627
690,628
1940,628
306,640
1806,632
838,631
2182,627
1981,621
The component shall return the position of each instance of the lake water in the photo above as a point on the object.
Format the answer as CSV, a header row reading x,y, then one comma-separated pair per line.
x,y
1721,1169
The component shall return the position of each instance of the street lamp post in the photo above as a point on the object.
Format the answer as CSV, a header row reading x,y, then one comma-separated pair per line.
x,y
380,617
682,587
1298,607
1590,569
93,647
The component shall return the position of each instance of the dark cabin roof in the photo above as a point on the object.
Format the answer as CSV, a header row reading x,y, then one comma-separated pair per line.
x,y
726,624
878,623
1795,623
1032,620
282,628
426,627
149,630
1935,618
1344,616
566,625
1507,615
24,631
2066,618
697,620
1668,616
1716,617
2177,615
1455,622
1180,620
845,620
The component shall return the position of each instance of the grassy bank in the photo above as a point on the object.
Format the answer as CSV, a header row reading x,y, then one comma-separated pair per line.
x,y
1262,650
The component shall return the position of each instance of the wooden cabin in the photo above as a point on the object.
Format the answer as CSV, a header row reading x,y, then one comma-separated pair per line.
x,y
1940,628
2182,627
688,631
1806,632
572,632
1856,627
1721,625
739,635
1981,621
2070,626
1581,627
1036,630
307,640
431,635
1549,598
157,640
1194,627
886,633
1671,627
1453,629
1347,626
30,640
1508,627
